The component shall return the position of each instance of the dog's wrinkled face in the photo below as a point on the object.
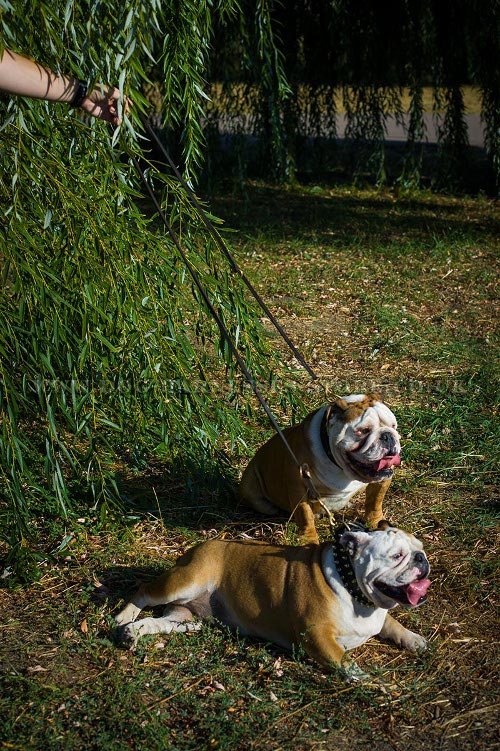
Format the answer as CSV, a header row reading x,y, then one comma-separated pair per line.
x,y
363,437
390,566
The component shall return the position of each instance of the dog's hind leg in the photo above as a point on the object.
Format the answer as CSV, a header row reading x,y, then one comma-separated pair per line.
x,y
176,618
148,595
261,505
177,585
251,492
134,607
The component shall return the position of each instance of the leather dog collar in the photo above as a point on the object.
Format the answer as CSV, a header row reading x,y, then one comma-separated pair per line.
x,y
344,566
324,439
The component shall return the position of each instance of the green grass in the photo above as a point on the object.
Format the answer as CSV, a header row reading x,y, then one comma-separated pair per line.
x,y
380,291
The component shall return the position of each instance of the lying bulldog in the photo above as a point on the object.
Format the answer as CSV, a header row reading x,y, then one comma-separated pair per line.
x,y
348,445
326,598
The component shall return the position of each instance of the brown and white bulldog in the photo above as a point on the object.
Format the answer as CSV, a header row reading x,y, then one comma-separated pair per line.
x,y
326,598
348,445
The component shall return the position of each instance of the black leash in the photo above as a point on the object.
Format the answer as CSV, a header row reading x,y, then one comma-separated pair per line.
x,y
303,468
223,247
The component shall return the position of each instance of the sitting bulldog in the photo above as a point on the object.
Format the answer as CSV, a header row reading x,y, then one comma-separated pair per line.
x,y
347,446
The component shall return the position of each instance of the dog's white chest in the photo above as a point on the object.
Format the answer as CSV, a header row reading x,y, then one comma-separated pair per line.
x,y
341,487
360,628
338,499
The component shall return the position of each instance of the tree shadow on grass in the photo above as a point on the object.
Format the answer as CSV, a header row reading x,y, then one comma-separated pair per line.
x,y
117,583
186,499
339,217
340,161
180,495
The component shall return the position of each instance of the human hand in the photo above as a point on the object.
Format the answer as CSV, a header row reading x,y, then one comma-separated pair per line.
x,y
102,103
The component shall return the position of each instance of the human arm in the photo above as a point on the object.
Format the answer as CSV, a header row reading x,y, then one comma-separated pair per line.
x,y
24,77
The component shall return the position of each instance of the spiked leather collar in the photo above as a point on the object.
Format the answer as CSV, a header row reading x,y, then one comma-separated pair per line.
x,y
344,567
323,433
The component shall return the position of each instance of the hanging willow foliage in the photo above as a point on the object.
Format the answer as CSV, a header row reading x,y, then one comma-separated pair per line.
x,y
364,61
105,346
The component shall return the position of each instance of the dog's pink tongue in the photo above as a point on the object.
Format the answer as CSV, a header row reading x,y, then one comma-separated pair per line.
x,y
388,461
416,590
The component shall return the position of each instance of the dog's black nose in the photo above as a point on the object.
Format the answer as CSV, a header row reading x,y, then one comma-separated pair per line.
x,y
387,439
420,557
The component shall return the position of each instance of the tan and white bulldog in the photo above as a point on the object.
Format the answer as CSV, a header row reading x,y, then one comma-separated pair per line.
x,y
326,598
348,445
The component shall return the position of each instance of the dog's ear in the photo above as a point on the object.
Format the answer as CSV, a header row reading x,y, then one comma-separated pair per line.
x,y
375,397
353,542
337,408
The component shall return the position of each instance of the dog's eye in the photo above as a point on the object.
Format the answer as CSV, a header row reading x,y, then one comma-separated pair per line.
x,y
362,431
398,556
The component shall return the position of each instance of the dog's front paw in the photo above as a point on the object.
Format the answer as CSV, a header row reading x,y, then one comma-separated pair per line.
x,y
414,642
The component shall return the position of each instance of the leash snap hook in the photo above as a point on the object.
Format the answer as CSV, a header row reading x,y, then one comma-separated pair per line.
x,y
305,473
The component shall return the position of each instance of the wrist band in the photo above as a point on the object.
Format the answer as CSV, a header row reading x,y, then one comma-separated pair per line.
x,y
80,94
